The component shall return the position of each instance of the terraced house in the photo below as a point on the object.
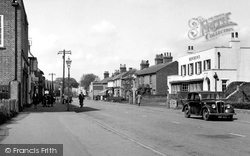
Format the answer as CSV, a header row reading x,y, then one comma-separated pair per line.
x,y
156,76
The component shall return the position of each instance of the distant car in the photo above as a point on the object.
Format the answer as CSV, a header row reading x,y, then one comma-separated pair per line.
x,y
207,105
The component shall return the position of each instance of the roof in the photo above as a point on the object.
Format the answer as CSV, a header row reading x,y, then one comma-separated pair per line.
x,y
153,69
119,76
105,80
129,73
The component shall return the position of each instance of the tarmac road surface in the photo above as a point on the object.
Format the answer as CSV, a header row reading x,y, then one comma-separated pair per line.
x,y
104,128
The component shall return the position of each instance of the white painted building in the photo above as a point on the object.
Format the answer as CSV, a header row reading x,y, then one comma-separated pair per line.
x,y
198,69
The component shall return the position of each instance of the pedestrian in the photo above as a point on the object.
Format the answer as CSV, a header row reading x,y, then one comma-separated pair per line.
x,y
139,97
81,99
35,100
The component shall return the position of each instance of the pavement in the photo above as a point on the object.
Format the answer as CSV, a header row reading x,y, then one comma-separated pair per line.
x,y
79,134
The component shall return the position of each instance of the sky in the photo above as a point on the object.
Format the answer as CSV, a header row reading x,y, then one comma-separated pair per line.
x,y
102,34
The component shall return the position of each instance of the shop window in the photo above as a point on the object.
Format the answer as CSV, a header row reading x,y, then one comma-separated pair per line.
x,y
185,87
1,30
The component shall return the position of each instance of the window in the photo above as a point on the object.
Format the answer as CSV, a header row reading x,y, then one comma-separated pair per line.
x,y
198,68
191,69
150,79
183,70
185,87
224,85
1,30
207,64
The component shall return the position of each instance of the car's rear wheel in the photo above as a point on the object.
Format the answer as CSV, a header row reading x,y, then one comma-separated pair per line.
x,y
187,112
205,114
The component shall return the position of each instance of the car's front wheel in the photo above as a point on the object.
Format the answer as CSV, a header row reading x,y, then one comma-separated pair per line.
x,y
205,114
187,112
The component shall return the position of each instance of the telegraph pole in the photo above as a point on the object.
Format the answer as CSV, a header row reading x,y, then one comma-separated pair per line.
x,y
63,52
52,81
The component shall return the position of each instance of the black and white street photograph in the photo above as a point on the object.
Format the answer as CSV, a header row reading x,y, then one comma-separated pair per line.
x,y
124,78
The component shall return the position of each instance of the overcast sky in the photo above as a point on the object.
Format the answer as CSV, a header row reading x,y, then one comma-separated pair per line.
x,y
102,34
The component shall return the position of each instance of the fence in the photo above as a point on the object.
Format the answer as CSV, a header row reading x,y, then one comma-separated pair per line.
x,y
8,109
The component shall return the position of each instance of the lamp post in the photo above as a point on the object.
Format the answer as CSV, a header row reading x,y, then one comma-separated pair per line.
x,y
134,88
52,88
63,52
68,64
216,78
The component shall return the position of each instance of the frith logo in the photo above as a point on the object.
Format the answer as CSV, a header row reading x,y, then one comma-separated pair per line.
x,y
210,28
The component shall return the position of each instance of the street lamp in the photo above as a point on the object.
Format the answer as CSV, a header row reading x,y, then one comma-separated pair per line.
x,y
216,78
68,62
134,88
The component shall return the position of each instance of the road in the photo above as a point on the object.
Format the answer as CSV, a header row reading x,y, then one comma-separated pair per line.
x,y
104,128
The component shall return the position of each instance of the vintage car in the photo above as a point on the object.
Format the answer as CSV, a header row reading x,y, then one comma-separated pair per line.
x,y
207,105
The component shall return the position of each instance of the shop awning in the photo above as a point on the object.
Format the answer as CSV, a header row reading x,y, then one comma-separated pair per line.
x,y
188,81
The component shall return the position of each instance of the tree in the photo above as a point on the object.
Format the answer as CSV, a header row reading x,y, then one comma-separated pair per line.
x,y
86,79
59,81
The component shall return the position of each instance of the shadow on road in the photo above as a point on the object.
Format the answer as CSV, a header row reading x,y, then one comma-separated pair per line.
x,y
58,107
218,119
84,109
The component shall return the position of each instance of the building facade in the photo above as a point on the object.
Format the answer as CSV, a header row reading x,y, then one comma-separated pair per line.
x,y
14,45
156,76
212,69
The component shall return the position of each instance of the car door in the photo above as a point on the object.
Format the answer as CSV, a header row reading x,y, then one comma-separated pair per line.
x,y
196,103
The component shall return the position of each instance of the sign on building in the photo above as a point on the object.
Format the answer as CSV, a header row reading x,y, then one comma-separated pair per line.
x,y
210,28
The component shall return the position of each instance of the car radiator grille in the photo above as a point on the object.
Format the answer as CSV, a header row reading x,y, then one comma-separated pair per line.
x,y
221,107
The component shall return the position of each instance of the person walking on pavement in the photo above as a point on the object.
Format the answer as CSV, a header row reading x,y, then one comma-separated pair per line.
x,y
35,100
139,97
81,99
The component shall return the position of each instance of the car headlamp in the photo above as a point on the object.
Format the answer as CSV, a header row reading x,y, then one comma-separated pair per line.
x,y
228,106
213,106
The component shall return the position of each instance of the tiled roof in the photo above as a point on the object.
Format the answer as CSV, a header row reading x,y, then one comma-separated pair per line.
x,y
119,76
105,80
153,69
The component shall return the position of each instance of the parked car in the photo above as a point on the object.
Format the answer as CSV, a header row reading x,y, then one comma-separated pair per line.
x,y
207,105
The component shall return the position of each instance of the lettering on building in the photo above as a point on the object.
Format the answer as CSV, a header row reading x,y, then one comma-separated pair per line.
x,y
194,58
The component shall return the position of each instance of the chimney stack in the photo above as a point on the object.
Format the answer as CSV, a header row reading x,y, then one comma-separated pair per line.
x,y
167,58
158,59
144,64
123,68
234,42
106,74
190,50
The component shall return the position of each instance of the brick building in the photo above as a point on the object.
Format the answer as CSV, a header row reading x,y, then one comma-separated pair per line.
x,y
156,76
14,47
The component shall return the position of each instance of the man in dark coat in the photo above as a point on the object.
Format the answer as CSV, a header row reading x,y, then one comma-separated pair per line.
x,y
35,100
81,99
